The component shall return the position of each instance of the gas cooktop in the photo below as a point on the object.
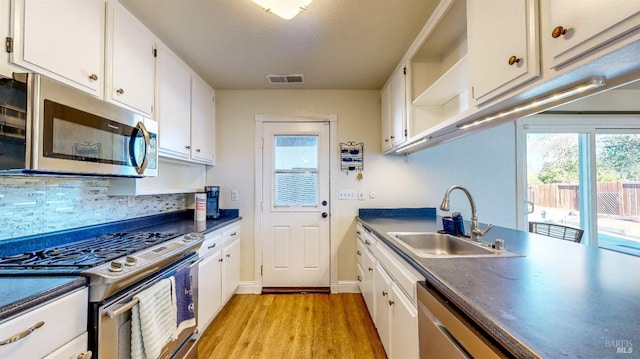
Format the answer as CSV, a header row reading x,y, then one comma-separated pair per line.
x,y
87,253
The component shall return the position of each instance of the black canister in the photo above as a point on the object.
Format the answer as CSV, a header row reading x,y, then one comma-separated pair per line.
x,y
213,201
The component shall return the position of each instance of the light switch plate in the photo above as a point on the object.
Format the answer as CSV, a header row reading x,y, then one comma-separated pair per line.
x,y
347,194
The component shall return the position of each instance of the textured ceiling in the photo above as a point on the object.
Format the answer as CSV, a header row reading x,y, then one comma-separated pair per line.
x,y
336,44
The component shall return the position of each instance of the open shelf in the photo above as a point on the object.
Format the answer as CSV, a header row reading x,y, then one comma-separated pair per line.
x,y
451,84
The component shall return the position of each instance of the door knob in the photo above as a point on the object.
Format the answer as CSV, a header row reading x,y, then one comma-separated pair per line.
x,y
324,203
325,215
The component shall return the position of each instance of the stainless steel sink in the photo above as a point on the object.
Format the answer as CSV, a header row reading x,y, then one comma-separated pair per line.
x,y
439,245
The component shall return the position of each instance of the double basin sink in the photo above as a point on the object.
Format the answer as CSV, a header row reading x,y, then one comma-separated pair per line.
x,y
441,245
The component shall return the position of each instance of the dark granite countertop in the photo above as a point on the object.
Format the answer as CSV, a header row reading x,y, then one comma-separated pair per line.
x,y
562,299
18,294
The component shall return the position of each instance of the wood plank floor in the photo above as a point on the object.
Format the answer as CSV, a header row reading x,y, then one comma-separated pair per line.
x,y
279,326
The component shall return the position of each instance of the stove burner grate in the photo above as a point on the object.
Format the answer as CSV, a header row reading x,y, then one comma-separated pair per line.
x,y
87,253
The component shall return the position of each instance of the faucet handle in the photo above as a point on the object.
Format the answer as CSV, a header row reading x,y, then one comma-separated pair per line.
x,y
478,232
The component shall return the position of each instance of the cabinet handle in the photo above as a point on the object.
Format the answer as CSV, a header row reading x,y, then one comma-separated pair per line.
x,y
558,31
386,140
187,147
358,233
228,255
391,303
213,246
359,253
220,260
85,355
120,91
514,60
384,293
370,269
233,234
197,150
93,77
22,334
359,279
366,241
392,137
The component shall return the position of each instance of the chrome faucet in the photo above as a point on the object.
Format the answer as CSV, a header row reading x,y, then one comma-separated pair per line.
x,y
475,231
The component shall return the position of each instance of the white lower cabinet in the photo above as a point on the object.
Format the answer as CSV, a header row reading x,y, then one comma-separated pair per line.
x,y
404,325
382,298
218,273
388,286
53,328
230,267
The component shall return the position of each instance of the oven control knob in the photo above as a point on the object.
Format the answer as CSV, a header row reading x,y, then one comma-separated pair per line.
x,y
116,267
130,261
188,237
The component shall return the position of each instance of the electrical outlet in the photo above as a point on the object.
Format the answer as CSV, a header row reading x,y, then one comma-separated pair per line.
x,y
361,195
234,194
347,194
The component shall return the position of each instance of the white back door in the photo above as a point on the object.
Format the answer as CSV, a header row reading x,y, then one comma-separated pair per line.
x,y
295,208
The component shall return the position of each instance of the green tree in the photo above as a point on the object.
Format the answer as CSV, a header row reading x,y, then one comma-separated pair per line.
x,y
619,158
560,161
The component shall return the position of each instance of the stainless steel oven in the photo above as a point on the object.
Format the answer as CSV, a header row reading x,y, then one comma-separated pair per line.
x,y
119,266
48,127
114,318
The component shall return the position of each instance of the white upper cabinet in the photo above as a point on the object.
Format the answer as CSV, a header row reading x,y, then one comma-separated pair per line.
x,y
575,28
62,39
503,54
202,122
394,113
130,61
173,105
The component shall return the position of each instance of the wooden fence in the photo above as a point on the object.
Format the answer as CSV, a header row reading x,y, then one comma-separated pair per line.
x,y
614,198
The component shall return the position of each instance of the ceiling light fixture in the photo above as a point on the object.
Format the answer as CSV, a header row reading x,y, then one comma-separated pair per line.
x,y
592,83
286,9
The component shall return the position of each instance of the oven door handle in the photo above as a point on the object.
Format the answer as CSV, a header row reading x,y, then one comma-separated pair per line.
x,y
123,308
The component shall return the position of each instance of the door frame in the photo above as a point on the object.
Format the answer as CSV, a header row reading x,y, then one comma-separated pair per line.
x,y
333,169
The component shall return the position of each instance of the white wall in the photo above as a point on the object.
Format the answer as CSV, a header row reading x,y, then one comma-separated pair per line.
x,y
483,162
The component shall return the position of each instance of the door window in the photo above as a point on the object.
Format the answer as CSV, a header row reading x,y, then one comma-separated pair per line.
x,y
295,171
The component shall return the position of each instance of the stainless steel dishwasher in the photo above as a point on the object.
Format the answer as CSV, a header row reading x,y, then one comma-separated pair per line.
x,y
444,333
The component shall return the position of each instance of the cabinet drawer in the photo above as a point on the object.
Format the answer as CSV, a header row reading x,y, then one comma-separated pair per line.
x,y
212,243
64,319
71,350
231,233
405,278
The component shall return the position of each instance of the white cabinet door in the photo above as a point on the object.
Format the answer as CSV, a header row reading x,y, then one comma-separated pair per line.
x,y
502,54
202,122
404,326
368,282
131,61
6,69
230,269
173,105
209,289
383,309
386,122
63,39
398,108
588,24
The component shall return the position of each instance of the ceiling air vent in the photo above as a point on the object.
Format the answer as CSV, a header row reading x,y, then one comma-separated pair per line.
x,y
285,79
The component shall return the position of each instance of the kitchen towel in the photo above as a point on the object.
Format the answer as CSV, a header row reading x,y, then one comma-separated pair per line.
x,y
153,320
184,300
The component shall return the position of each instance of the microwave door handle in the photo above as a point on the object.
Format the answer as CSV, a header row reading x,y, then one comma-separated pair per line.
x,y
147,147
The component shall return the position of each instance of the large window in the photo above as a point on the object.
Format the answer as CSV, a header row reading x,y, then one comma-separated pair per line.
x,y
583,171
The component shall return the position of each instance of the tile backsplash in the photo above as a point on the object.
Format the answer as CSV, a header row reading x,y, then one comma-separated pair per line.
x,y
35,205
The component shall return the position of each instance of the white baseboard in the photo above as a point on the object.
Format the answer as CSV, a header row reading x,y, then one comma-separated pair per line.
x,y
249,288
348,286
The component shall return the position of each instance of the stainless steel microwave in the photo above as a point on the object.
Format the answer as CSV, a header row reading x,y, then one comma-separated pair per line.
x,y
48,127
